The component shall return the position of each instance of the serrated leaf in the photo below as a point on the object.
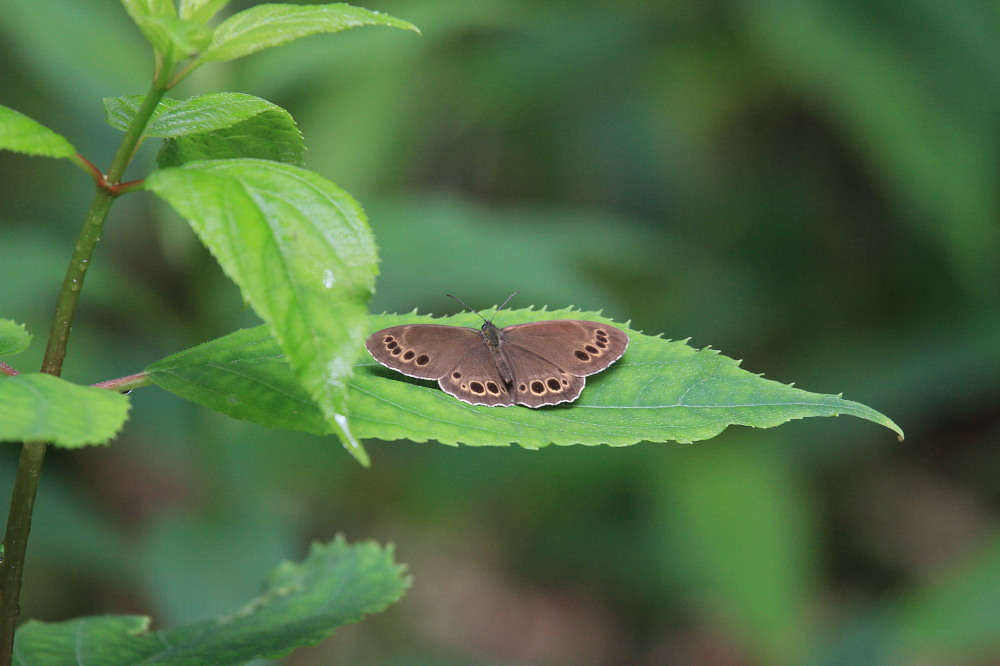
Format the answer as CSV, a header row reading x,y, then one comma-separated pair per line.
x,y
21,134
301,251
14,337
243,375
214,126
303,604
271,135
40,407
119,111
196,115
272,24
179,38
659,391
201,10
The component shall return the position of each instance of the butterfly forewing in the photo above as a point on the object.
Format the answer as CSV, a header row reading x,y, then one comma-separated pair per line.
x,y
426,351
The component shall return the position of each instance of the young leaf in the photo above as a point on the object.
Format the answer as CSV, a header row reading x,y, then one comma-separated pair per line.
x,y
197,115
201,10
40,407
303,604
140,8
176,37
268,25
659,391
301,251
14,337
20,133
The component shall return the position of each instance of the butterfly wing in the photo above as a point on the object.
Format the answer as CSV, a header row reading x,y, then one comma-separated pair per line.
x,y
549,359
476,380
425,351
579,347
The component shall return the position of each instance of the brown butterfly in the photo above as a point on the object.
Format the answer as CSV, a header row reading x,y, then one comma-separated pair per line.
x,y
536,364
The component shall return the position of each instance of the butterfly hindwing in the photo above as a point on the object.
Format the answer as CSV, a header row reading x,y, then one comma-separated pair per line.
x,y
537,381
477,381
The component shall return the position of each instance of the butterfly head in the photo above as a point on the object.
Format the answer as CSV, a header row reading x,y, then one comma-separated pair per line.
x,y
488,328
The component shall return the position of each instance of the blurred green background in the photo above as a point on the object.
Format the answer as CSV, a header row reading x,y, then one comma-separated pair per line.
x,y
808,185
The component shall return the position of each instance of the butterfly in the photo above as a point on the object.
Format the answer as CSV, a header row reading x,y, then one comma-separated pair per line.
x,y
535,364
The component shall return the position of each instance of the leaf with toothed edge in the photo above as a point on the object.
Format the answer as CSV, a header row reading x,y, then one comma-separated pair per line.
x,y
300,249
659,391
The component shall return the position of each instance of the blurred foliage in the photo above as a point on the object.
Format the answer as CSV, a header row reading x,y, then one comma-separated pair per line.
x,y
808,185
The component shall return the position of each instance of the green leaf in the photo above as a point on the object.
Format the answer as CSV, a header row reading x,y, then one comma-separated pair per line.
x,y
302,604
201,10
178,38
140,8
268,25
197,115
44,408
271,135
214,126
301,251
243,375
658,391
14,337
24,135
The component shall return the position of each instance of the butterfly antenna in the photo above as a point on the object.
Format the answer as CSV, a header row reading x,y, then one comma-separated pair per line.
x,y
466,306
481,316
506,302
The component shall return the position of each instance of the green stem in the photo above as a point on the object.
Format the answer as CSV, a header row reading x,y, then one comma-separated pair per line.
x,y
33,453
16,543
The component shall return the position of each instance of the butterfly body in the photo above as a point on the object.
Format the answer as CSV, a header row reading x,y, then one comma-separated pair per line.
x,y
535,364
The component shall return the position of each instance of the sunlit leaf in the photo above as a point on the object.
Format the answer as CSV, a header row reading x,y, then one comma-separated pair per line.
x,y
177,37
139,8
270,25
660,391
300,249
201,10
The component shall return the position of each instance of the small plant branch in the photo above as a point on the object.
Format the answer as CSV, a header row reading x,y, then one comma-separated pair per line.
x,y
125,384
7,370
126,187
90,168
33,453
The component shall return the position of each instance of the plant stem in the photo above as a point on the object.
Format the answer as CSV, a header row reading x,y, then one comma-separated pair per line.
x,y
72,284
33,453
16,543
